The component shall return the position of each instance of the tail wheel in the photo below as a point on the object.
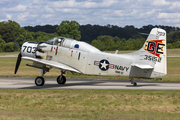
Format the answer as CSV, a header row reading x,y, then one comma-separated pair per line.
x,y
135,84
61,79
39,81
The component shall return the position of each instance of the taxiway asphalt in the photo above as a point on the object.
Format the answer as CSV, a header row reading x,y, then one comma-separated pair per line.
x,y
81,83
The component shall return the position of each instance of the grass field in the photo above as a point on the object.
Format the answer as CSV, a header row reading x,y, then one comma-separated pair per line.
x,y
89,104
20,104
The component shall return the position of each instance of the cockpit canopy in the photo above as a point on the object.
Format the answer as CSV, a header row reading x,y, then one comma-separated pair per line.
x,y
55,40
73,44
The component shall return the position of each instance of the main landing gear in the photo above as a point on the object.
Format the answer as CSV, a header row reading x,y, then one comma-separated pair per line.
x,y
61,79
132,82
39,81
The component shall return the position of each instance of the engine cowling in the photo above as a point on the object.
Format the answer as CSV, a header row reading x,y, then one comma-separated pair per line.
x,y
29,49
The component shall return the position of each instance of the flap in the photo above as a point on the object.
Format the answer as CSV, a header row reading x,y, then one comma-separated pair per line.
x,y
52,64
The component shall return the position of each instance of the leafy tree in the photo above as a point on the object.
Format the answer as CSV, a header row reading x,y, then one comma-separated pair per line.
x,y
2,42
10,30
122,45
20,39
69,29
114,43
98,44
105,42
169,46
44,28
177,36
8,47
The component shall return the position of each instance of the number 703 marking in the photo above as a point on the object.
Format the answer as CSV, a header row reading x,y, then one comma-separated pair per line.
x,y
29,49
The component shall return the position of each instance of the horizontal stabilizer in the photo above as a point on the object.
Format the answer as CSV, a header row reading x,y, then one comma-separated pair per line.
x,y
142,66
52,64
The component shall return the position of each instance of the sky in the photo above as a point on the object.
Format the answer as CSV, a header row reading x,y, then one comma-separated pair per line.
x,y
100,12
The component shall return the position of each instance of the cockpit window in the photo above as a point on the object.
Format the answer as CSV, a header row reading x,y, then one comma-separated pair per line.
x,y
59,41
71,43
51,42
56,41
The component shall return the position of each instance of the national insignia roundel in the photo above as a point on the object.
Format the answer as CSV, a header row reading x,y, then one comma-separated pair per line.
x,y
104,65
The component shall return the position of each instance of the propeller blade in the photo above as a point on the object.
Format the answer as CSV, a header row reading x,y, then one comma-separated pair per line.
x,y
18,63
26,35
25,38
16,43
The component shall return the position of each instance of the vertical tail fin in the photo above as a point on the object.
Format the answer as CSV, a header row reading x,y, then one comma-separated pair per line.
x,y
155,51
150,60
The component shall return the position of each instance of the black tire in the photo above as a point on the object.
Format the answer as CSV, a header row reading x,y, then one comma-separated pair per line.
x,y
39,81
135,84
62,80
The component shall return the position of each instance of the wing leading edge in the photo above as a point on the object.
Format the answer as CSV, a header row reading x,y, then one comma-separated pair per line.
x,y
52,64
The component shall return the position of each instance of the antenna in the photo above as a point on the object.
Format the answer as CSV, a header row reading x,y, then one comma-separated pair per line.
x,y
106,48
144,33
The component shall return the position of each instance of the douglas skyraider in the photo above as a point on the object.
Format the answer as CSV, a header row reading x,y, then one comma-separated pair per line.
x,y
68,54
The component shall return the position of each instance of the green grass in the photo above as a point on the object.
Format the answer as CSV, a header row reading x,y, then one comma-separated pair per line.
x,y
173,68
89,104
17,104
9,53
173,52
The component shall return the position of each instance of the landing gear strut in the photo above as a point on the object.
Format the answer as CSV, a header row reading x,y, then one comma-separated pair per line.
x,y
39,81
61,79
132,82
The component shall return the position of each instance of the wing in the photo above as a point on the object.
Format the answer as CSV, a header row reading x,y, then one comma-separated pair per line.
x,y
52,64
143,66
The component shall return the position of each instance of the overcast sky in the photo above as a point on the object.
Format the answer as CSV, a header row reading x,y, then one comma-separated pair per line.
x,y
101,12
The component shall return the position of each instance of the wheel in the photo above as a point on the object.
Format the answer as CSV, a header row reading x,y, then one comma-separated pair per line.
x,y
39,81
134,83
61,79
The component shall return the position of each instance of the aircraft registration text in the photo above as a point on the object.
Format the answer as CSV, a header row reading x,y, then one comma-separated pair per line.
x,y
152,58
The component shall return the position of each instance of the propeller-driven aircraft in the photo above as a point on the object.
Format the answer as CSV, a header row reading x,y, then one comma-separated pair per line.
x,y
68,54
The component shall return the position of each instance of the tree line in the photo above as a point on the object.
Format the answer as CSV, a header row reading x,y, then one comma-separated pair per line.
x,y
91,32
11,30
109,37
